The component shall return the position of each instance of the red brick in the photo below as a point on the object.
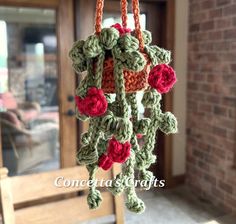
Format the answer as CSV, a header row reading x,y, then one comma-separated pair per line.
x,y
229,101
225,187
215,13
222,2
230,34
219,131
207,4
220,110
209,25
216,35
229,10
211,101
217,193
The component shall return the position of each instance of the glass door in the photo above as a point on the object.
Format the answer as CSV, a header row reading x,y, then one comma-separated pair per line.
x,y
34,108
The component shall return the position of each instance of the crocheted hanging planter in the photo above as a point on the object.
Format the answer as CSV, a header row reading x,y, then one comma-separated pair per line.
x,y
121,61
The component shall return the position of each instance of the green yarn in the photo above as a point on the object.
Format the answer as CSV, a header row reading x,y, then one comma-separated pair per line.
x,y
128,43
147,37
76,53
133,203
151,98
141,126
121,119
99,70
109,37
134,61
158,55
80,116
92,47
146,175
123,130
88,154
168,125
94,197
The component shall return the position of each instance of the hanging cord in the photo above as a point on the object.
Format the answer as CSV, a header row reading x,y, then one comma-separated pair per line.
x,y
124,17
98,18
138,32
124,12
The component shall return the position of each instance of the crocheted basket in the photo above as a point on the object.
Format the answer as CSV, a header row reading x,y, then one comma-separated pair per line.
x,y
121,62
134,81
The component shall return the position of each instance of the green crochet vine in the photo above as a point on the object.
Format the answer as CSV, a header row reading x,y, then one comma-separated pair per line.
x,y
115,124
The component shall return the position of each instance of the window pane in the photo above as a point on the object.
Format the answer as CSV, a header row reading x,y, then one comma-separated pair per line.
x,y
28,90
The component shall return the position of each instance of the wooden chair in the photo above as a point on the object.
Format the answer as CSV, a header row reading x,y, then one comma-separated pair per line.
x,y
44,203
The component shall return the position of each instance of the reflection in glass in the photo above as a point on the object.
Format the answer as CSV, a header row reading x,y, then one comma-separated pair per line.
x,y
28,90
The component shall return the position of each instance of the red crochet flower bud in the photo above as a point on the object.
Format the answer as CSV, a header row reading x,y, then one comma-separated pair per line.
x,y
94,104
139,136
162,78
117,151
105,162
121,29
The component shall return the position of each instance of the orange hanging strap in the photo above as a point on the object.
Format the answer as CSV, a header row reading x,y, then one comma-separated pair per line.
x,y
124,13
136,12
99,13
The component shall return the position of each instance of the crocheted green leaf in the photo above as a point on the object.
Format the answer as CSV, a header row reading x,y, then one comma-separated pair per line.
x,y
94,198
77,56
147,36
92,47
76,53
109,37
134,61
80,67
128,43
87,155
158,55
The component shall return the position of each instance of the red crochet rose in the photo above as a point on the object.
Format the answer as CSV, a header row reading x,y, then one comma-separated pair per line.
x,y
117,151
121,29
94,104
105,162
162,78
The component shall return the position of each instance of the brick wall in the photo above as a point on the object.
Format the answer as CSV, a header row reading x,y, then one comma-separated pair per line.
x,y
211,101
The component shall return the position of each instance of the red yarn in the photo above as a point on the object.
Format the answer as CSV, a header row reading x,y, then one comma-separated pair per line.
x,y
94,104
162,78
105,162
117,151
121,29
139,136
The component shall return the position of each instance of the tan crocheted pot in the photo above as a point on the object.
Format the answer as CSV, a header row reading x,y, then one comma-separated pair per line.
x,y
134,81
